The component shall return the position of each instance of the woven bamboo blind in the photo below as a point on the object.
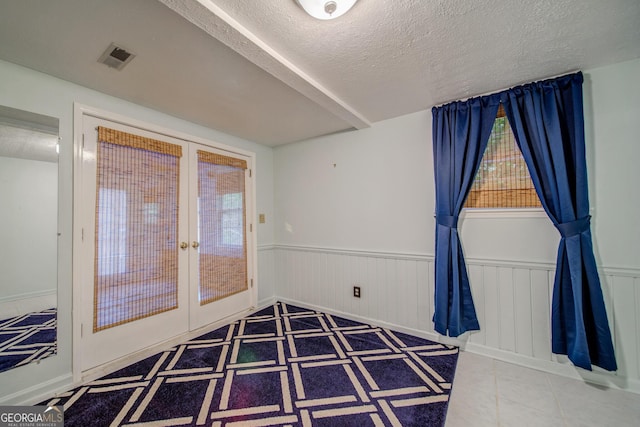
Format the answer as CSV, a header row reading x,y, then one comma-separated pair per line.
x,y
219,159
503,179
221,227
136,256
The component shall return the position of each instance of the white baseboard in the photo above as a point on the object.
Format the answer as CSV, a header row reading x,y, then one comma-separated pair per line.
x,y
410,331
39,392
56,386
63,383
110,367
599,377
266,303
31,302
562,368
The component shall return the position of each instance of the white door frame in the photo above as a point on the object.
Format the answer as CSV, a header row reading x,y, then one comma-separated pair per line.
x,y
80,111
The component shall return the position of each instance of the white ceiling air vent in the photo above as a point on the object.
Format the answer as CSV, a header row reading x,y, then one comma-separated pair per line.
x,y
116,57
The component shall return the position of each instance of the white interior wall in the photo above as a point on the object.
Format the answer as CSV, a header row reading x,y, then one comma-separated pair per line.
x,y
369,221
612,126
29,90
370,189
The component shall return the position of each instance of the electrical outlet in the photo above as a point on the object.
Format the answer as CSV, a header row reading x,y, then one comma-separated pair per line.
x,y
356,291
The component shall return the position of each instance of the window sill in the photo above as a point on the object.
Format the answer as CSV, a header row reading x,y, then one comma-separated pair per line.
x,y
485,213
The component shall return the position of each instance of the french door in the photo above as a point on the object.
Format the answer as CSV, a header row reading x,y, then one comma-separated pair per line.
x,y
166,244
218,269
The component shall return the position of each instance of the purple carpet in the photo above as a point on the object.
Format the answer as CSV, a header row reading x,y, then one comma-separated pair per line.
x,y
283,365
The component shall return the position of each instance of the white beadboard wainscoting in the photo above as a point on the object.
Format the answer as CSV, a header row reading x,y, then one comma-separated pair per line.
x,y
512,301
266,277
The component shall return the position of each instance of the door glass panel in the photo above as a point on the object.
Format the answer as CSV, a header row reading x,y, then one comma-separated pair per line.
x,y
136,271
222,257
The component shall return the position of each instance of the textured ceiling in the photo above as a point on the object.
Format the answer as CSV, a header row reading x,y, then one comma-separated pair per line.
x,y
267,72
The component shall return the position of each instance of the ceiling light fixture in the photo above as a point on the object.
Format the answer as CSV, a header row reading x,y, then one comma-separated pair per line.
x,y
326,9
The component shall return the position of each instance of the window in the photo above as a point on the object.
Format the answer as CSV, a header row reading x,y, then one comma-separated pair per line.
x,y
112,230
221,210
136,254
232,223
503,179
222,256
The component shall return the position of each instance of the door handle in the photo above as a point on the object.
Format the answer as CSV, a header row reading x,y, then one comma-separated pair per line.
x,y
184,245
195,245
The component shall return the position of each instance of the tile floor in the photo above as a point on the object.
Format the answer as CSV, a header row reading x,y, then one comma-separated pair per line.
x,y
488,392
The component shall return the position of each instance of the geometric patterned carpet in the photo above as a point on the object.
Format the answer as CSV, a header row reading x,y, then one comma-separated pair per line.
x,y
27,338
281,366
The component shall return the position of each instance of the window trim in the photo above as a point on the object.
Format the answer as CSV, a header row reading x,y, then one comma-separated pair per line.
x,y
495,213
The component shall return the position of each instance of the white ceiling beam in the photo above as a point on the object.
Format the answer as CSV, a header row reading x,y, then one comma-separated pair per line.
x,y
217,23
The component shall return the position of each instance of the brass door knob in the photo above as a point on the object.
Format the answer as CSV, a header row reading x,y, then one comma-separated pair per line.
x,y
195,245
184,245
